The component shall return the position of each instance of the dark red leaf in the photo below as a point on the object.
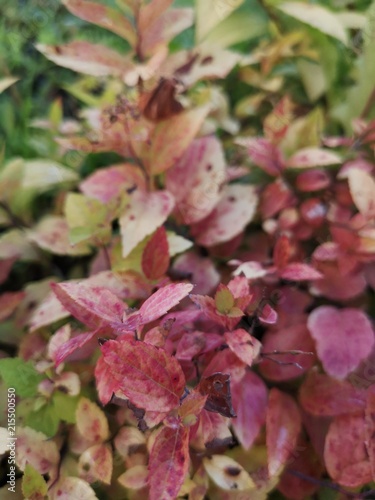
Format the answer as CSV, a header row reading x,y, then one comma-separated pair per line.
x,y
155,258
217,388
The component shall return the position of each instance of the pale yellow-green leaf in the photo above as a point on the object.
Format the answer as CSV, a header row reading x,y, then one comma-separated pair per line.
x,y
177,244
33,484
351,19
224,300
7,82
56,112
217,466
236,28
10,179
318,17
44,174
209,13
313,78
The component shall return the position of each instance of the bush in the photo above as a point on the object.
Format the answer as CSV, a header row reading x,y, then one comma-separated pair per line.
x,y
187,254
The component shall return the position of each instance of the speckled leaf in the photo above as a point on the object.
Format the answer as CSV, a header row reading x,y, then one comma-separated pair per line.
x,y
91,421
283,425
168,463
96,463
244,346
313,157
34,448
34,486
227,473
148,376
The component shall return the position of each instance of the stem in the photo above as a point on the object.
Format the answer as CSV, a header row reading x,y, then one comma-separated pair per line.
x,y
370,102
15,220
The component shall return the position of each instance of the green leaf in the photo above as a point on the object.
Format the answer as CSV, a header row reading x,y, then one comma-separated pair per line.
x,y
224,299
65,406
34,486
21,375
46,419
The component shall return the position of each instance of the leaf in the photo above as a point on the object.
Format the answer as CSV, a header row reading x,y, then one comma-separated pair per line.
x,y
168,463
94,306
265,155
244,346
44,419
344,337
21,375
316,16
150,12
196,179
362,190
96,464
322,395
163,300
249,398
217,388
313,157
88,58
346,459
224,299
210,13
282,251
370,429
7,82
42,175
191,408
148,376
155,257
91,421
234,211
33,448
112,182
52,234
170,139
34,486
134,478
104,17
227,473
144,213
312,180
297,271
201,271
283,425
291,337
68,488
9,302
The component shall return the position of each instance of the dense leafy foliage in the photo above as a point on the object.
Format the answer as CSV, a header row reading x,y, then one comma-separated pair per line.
x,y
187,252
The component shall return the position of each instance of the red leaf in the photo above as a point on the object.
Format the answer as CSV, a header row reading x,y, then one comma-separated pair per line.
x,y
164,299
106,385
313,180
5,267
292,337
283,425
155,258
344,337
169,463
250,403
94,306
345,455
244,346
201,271
148,376
275,197
66,349
322,395
217,388
297,271
9,302
265,155
191,408
282,252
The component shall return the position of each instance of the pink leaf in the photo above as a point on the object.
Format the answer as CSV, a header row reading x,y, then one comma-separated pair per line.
x,y
200,270
112,182
249,398
275,197
344,337
148,376
297,271
96,464
313,180
5,268
172,137
96,307
266,155
9,302
48,312
313,157
91,422
72,345
144,213
196,179
322,395
292,337
106,385
34,448
104,17
234,211
164,299
346,459
169,463
244,346
283,425
155,257
88,58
